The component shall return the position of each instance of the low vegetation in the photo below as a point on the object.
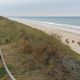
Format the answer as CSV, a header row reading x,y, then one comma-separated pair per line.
x,y
36,55
2,72
79,43
67,41
73,41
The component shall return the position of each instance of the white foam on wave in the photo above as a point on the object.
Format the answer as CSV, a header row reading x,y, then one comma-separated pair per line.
x,y
66,27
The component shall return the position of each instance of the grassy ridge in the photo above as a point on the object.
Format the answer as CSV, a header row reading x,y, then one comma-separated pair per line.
x,y
36,55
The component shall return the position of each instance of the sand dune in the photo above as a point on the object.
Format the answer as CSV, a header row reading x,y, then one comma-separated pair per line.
x,y
69,38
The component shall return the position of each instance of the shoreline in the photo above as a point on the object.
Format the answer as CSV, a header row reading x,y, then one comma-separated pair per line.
x,y
70,38
66,27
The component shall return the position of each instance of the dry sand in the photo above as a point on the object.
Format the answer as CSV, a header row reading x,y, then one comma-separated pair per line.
x,y
62,32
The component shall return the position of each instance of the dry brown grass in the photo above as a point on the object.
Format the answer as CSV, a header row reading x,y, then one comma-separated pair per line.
x,y
34,55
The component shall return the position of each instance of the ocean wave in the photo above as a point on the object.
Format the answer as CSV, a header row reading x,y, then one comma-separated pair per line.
x,y
66,27
56,24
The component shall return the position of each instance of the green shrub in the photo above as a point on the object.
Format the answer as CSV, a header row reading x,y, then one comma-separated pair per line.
x,y
2,72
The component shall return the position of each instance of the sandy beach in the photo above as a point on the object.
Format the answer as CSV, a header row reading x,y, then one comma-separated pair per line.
x,y
70,38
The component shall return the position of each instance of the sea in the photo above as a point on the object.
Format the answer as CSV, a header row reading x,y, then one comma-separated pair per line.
x,y
66,22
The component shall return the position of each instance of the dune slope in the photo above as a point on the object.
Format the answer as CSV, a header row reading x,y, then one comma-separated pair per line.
x,y
34,55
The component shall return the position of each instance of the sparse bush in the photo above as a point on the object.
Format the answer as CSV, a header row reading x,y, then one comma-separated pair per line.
x,y
73,41
67,41
2,72
7,41
79,43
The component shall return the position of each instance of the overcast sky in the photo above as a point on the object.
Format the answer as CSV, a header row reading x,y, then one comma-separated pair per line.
x,y
40,7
